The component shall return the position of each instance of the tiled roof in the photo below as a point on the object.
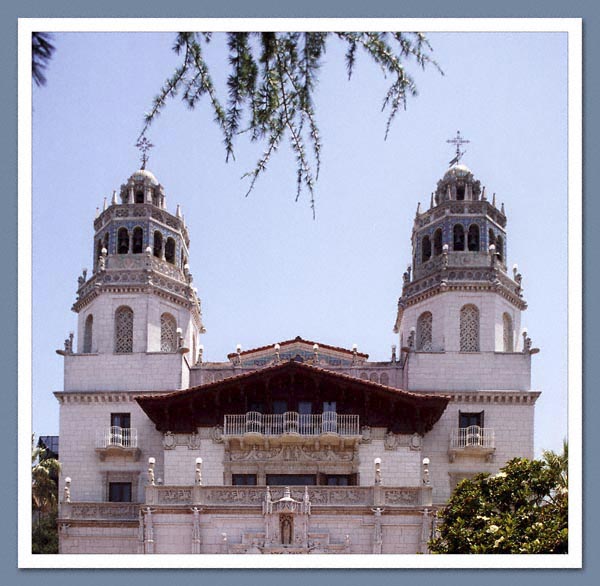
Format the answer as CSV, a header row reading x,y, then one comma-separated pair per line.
x,y
294,341
293,364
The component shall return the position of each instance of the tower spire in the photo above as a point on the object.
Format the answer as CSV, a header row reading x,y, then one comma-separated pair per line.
x,y
144,145
458,140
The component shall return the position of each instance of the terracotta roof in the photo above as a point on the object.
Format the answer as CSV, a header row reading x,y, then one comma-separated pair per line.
x,y
377,405
295,340
293,364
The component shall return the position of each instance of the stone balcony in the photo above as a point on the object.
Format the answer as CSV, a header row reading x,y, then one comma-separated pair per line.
x,y
251,498
291,427
119,441
472,441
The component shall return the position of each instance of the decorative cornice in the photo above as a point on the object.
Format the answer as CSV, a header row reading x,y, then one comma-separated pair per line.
x,y
435,285
494,397
132,211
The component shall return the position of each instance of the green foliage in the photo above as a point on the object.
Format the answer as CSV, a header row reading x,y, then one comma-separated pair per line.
x,y
44,500
522,509
44,536
41,53
271,85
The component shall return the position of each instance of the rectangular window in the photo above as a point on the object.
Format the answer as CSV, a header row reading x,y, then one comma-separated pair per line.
x,y
305,407
279,407
291,479
256,406
340,479
119,492
329,406
469,419
122,420
243,479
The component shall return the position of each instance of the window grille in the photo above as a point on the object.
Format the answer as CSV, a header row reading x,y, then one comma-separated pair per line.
x,y
122,241
170,251
425,249
469,329
168,333
124,330
437,242
138,240
500,248
507,326
424,328
459,237
473,238
87,334
158,244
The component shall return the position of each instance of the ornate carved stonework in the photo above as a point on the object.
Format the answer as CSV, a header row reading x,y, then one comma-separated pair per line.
x,y
292,454
393,441
366,434
402,496
216,434
172,440
106,511
318,495
175,496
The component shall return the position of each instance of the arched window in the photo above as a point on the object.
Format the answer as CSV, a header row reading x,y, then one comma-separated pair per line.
x,y
170,250
460,192
122,241
106,242
384,379
491,238
473,238
437,242
155,197
138,240
508,335
500,248
425,249
124,330
459,237
158,244
168,333
469,329
98,249
87,334
424,328
139,196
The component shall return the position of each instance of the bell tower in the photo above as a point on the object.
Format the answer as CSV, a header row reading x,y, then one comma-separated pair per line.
x,y
139,315
460,311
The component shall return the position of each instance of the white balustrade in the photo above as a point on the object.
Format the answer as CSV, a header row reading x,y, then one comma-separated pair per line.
x,y
124,437
472,436
291,422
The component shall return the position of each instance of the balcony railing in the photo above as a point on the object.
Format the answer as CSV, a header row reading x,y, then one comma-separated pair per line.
x,y
291,423
472,437
118,437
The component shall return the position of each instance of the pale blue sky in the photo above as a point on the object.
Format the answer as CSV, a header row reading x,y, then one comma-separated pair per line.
x,y
265,270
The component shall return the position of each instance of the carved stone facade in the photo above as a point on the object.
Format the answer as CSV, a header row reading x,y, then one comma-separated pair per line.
x,y
297,447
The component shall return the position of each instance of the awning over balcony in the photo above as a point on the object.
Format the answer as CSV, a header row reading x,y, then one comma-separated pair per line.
x,y
377,405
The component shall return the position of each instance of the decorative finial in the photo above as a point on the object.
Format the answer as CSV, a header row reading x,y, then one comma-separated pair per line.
x,y
458,140
144,145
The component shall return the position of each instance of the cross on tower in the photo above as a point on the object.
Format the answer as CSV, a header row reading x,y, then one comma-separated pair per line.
x,y
458,140
144,145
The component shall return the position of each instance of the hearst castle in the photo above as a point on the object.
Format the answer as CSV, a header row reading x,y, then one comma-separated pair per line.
x,y
299,446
